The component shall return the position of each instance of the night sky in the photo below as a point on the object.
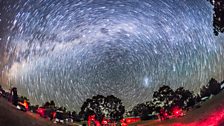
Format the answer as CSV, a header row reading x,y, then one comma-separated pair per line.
x,y
70,50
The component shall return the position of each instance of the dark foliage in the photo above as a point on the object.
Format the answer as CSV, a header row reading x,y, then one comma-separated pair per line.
x,y
109,107
142,110
184,98
218,16
212,88
165,100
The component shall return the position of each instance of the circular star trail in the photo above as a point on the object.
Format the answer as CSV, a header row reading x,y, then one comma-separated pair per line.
x,y
69,50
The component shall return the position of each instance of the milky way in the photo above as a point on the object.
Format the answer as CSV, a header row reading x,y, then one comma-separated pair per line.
x,y
70,50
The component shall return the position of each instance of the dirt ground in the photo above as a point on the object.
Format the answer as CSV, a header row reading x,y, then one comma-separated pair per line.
x,y
10,116
211,113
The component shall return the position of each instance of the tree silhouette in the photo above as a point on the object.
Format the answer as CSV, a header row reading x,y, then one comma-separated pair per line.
x,y
204,92
143,110
218,16
108,107
114,108
212,88
184,98
163,98
139,109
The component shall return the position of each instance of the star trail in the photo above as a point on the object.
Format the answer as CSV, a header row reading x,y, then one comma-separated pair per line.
x,y
68,50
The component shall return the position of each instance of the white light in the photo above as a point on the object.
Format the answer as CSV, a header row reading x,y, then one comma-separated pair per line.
x,y
146,81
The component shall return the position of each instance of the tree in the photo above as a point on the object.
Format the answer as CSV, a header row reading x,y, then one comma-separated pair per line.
x,y
108,107
114,108
212,88
138,109
142,110
204,92
184,98
163,98
218,16
164,93
86,109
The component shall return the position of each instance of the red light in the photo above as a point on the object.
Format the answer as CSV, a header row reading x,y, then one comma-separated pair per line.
x,y
54,114
104,122
130,120
213,118
122,120
92,118
26,105
177,111
40,111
